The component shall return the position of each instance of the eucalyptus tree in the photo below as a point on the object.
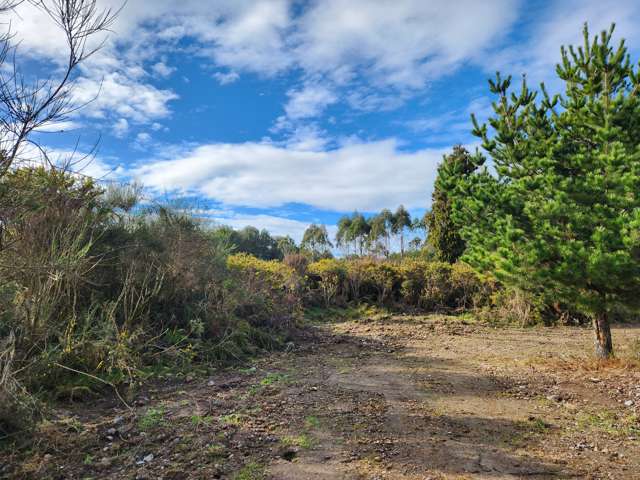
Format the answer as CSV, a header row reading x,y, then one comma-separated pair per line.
x,y
343,235
401,222
316,240
359,230
378,234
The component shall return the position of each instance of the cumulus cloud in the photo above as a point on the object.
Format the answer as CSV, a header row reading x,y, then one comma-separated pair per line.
x,y
120,128
562,24
365,176
400,43
162,70
225,78
308,101
118,94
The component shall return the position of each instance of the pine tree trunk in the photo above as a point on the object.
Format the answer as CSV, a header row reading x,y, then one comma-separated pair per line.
x,y
602,330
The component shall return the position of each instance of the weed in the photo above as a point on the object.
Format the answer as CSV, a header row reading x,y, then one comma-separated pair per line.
x,y
251,471
609,422
273,378
152,418
88,459
232,419
312,422
537,425
216,450
199,420
302,441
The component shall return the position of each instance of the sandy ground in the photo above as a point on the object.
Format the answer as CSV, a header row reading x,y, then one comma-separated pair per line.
x,y
389,397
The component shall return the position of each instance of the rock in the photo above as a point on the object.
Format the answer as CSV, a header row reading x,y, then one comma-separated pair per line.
x,y
554,398
105,462
112,431
189,378
211,383
118,420
628,403
47,457
145,459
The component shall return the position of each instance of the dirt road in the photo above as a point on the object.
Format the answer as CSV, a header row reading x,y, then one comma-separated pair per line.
x,y
390,397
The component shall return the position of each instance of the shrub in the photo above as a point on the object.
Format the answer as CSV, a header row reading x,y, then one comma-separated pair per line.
x,y
297,262
380,277
329,276
265,292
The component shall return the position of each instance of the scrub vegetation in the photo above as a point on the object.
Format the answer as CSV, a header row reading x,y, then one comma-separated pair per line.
x,y
105,293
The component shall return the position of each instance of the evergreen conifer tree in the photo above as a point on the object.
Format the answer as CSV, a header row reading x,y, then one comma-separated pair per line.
x,y
561,213
442,232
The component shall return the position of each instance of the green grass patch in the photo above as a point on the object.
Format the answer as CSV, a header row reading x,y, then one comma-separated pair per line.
x,y
311,422
232,419
216,450
152,418
199,420
251,471
302,441
609,422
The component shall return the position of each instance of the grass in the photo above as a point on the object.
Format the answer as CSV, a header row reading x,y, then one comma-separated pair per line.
x,y
232,419
216,450
311,422
302,441
608,422
153,417
251,471
199,420
270,380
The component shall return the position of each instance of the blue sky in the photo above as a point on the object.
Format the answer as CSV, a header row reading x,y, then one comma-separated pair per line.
x,y
279,113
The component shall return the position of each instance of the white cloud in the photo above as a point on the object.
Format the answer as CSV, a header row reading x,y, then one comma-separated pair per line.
x,y
121,95
162,70
402,44
562,24
364,176
225,78
120,128
309,101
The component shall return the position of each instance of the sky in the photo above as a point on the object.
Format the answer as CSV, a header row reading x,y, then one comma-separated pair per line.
x,y
281,113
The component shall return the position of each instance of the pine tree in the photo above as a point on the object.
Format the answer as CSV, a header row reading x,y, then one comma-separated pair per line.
x,y
443,234
561,213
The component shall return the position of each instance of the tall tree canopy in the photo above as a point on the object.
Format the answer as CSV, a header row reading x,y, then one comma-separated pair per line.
x,y
401,222
561,213
316,240
443,234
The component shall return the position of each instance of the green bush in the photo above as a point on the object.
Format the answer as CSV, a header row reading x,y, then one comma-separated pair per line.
x,y
328,277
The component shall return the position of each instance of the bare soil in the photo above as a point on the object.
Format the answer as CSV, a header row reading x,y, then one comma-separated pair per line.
x,y
389,397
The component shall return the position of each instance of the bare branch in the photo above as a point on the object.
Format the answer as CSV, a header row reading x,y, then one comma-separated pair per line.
x,y
26,106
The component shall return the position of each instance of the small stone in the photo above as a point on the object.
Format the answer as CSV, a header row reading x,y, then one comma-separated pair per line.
x,y
112,431
48,457
105,462
118,420
189,378
211,383
148,458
